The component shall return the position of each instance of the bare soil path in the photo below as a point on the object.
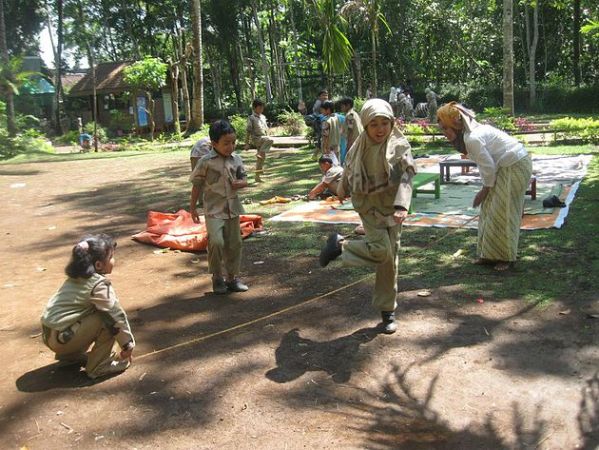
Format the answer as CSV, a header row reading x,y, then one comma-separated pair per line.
x,y
458,374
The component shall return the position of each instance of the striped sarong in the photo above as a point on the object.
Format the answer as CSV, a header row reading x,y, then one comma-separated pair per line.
x,y
501,213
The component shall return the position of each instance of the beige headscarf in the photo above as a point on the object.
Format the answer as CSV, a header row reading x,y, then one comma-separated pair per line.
x,y
396,147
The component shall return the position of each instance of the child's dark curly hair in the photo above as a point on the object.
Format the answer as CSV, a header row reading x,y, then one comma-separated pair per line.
x,y
86,252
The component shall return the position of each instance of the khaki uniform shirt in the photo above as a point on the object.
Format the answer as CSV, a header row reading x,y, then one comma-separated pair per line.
x,y
256,126
213,175
80,297
332,178
383,202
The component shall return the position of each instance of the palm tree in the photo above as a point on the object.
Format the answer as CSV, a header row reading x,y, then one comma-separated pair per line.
x,y
336,48
369,12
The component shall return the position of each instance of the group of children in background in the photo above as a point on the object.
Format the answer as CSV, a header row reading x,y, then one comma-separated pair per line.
x,y
86,311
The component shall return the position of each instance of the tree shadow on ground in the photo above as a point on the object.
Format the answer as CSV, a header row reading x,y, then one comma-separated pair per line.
x,y
296,355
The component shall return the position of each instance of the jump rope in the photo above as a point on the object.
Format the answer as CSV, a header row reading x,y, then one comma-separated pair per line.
x,y
292,307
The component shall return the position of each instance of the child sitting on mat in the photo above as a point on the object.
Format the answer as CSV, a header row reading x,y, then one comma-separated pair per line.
x,y
86,311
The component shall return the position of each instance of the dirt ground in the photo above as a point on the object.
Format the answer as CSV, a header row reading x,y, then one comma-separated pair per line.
x,y
458,374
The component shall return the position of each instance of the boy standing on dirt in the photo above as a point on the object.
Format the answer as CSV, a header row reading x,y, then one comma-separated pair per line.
x,y
217,177
257,135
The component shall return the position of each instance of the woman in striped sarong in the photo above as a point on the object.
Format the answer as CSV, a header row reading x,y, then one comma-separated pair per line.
x,y
505,168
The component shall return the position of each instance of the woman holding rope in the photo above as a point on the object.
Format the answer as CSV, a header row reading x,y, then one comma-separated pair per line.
x,y
505,168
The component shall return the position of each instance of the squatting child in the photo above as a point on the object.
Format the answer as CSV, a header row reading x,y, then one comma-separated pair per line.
x,y
216,178
257,135
86,311
330,179
378,175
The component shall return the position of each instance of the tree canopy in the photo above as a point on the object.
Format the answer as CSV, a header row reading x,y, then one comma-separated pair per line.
x,y
284,49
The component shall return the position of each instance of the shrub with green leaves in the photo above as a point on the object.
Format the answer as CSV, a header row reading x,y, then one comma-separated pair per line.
x,y
499,118
570,128
292,122
358,103
239,123
100,131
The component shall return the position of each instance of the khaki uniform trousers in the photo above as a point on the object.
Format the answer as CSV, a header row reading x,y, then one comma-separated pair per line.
x,y
91,330
262,144
224,245
378,249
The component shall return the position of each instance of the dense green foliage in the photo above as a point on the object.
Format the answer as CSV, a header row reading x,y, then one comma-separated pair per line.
x,y
443,43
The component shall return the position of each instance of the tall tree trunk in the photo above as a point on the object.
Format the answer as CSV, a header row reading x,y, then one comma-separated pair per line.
x,y
357,65
374,72
92,65
298,74
508,56
234,72
576,43
265,68
250,58
150,109
216,80
58,65
197,113
185,89
10,99
531,44
174,72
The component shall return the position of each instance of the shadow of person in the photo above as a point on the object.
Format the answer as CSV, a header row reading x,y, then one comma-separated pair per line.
x,y
296,355
54,376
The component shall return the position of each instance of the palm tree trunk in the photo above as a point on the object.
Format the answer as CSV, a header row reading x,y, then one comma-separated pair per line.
x,y
11,125
508,56
197,113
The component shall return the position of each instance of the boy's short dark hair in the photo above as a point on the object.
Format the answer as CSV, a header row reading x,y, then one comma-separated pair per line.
x,y
324,91
328,105
257,102
347,101
219,129
325,159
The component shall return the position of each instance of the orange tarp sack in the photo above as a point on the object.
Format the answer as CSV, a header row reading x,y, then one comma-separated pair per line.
x,y
178,231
